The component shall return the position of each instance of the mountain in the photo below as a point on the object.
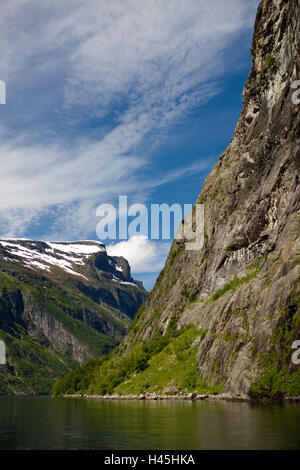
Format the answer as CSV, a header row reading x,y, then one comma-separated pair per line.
x,y
223,319
60,305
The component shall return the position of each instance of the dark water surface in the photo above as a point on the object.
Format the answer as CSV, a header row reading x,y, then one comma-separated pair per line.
x,y
49,423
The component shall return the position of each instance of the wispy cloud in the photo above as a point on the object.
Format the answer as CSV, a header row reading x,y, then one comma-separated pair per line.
x,y
65,185
131,68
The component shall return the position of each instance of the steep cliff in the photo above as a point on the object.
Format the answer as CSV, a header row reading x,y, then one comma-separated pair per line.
x,y
60,305
224,318
243,287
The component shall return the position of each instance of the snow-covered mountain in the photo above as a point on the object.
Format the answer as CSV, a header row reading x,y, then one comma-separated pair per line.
x,y
69,300
68,256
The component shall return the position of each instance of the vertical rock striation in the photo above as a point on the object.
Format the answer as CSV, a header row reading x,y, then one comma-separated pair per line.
x,y
242,288
60,305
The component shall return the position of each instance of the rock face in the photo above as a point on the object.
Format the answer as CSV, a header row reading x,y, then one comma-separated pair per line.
x,y
242,288
60,305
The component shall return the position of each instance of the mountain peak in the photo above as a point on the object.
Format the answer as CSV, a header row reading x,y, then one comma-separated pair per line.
x,y
61,303
72,257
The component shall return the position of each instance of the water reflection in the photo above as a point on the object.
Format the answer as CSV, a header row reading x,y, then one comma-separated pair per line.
x,y
47,423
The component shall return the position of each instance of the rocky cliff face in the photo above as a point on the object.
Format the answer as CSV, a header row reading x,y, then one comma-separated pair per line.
x,y
60,305
242,288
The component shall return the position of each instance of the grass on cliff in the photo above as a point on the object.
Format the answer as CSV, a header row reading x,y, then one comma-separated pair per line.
x,y
30,368
98,343
32,365
275,383
174,368
165,362
280,377
56,302
75,301
232,286
62,293
239,281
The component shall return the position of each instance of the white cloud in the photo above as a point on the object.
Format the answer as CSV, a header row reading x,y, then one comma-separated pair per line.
x,y
35,176
145,64
65,185
143,255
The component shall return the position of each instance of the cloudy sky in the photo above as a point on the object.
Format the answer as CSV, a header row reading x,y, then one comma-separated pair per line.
x,y
109,98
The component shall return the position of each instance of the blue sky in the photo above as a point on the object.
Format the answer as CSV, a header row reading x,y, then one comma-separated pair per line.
x,y
127,97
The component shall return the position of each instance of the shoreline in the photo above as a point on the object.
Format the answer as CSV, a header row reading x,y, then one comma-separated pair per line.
x,y
184,397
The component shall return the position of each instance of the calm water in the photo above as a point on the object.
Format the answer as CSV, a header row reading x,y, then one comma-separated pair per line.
x,y
48,423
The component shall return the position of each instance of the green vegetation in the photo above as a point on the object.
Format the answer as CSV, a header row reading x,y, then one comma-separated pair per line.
x,y
260,6
232,286
192,297
32,368
275,383
133,327
268,59
98,343
280,377
174,255
6,282
164,362
258,263
33,365
60,303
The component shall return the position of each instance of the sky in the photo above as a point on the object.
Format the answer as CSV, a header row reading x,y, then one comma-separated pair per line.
x,y
133,98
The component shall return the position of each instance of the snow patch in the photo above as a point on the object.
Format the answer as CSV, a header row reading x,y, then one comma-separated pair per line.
x,y
42,260
116,279
78,249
